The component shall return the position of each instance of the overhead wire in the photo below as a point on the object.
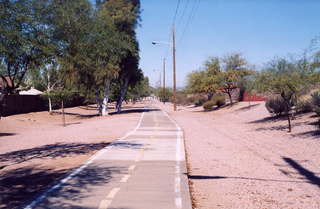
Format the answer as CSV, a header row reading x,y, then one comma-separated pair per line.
x,y
192,14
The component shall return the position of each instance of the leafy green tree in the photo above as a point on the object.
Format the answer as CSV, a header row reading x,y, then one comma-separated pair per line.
x,y
24,42
139,91
287,79
164,95
235,68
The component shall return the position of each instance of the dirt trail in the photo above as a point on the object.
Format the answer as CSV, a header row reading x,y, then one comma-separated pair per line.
x,y
240,158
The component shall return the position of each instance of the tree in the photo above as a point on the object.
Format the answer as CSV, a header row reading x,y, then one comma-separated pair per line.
x,y
234,70
286,79
125,15
206,81
24,41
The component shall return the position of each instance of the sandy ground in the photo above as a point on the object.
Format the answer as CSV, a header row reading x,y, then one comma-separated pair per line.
x,y
36,150
241,158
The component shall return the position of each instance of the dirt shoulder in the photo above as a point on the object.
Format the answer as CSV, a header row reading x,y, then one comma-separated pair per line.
x,y
239,157
36,150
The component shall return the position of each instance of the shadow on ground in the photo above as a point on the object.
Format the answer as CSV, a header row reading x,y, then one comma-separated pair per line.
x,y
7,134
249,107
308,175
136,110
75,114
49,151
20,186
200,177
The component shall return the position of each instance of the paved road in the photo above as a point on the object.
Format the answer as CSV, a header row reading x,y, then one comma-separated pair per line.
x,y
144,170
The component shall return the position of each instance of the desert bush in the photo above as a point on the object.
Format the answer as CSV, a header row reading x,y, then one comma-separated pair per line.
x,y
208,105
317,111
182,98
219,100
276,105
305,106
199,101
316,99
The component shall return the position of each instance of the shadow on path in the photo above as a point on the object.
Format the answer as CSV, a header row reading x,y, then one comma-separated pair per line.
x,y
20,186
49,151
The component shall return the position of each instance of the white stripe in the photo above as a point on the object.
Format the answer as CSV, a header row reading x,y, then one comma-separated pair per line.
x,y
104,204
78,170
178,201
125,178
113,193
132,167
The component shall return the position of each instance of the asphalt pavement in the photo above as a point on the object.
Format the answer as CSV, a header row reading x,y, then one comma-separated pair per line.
x,y
146,169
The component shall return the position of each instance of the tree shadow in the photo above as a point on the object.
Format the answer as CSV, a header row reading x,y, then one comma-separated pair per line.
x,y
246,108
137,110
308,175
281,127
200,177
20,186
268,119
78,115
127,145
7,134
308,134
49,151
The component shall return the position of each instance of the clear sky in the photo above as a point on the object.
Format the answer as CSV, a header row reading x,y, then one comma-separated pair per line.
x,y
259,29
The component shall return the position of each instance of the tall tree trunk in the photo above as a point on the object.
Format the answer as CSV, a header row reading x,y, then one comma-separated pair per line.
x,y
210,95
2,101
104,109
289,121
230,97
50,105
63,116
99,103
123,92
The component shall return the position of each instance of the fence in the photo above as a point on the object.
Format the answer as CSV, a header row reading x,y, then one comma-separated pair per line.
x,y
18,104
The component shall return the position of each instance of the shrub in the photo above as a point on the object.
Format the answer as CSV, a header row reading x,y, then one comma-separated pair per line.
x,y
199,101
219,100
305,106
316,99
317,111
208,105
276,105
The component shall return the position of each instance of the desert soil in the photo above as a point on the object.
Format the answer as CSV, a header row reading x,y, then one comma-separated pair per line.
x,y
36,150
239,157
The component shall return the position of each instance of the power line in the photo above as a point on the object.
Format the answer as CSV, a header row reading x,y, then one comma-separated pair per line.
x,y
191,16
176,12
183,12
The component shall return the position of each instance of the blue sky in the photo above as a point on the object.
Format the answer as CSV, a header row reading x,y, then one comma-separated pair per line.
x,y
259,29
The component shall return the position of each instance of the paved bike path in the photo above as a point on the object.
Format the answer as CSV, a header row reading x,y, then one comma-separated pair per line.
x,y
144,170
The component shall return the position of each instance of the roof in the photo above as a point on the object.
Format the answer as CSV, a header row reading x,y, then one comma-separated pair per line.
x,y
32,91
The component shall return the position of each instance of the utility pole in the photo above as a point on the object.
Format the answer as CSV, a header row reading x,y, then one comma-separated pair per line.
x,y
164,80
174,68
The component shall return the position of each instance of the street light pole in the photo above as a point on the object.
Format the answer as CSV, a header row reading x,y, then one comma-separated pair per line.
x,y
174,68
164,80
173,45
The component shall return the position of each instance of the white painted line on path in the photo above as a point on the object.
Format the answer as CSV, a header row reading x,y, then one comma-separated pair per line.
x,y
125,178
104,204
45,194
178,202
113,193
132,167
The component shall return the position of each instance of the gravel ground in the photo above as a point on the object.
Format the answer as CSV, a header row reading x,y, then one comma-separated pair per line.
x,y
36,150
239,157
